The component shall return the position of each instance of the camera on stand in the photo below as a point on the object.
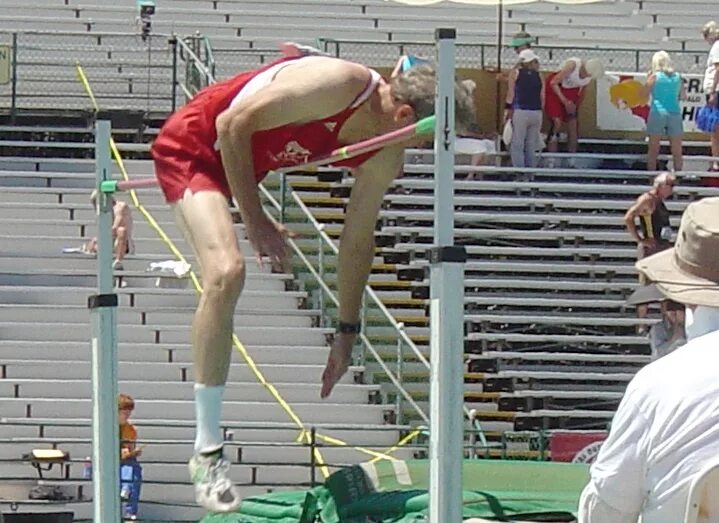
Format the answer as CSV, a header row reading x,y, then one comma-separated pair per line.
x,y
146,9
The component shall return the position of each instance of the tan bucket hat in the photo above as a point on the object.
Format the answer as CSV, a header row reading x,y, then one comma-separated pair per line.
x,y
689,272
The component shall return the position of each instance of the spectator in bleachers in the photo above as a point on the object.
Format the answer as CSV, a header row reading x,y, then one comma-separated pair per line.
x,y
666,88
521,41
666,429
130,469
128,432
654,233
668,334
710,32
482,147
122,225
564,94
523,107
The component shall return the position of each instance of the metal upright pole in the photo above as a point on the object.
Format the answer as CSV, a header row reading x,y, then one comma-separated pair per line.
x,y
173,45
13,96
497,94
446,307
105,433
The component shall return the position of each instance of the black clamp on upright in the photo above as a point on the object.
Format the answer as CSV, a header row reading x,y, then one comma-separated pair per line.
x,y
101,300
445,33
449,254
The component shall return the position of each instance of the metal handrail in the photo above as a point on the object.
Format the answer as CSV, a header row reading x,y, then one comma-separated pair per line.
x,y
326,240
210,63
324,237
370,292
200,64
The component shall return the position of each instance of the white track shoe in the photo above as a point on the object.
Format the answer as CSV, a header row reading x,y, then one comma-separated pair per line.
x,y
213,487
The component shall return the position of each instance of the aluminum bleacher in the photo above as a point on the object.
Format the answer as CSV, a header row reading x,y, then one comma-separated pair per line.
x,y
45,364
550,342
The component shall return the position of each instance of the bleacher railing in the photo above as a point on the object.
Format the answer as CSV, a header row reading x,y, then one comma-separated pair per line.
x,y
382,337
195,52
131,73
136,73
484,56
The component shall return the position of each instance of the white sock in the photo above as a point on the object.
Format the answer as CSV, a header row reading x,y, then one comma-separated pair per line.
x,y
208,406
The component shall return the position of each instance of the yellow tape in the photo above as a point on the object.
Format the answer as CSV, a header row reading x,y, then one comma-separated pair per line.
x,y
304,434
401,443
338,442
86,85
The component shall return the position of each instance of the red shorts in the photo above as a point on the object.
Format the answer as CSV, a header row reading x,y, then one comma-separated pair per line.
x,y
553,106
185,158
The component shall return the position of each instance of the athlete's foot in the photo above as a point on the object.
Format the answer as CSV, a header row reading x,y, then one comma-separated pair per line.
x,y
213,487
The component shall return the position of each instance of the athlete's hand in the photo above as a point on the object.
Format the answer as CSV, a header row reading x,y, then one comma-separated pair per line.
x,y
338,362
269,241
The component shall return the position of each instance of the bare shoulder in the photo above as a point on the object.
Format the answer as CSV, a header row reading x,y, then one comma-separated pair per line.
x,y
645,198
645,203
325,70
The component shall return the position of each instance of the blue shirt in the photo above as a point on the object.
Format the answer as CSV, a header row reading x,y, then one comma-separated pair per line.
x,y
665,94
410,61
528,90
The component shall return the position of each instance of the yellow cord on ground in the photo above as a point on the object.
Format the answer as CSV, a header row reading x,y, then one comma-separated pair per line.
x,y
304,435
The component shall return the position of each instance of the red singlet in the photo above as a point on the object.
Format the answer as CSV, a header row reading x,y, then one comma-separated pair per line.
x,y
186,156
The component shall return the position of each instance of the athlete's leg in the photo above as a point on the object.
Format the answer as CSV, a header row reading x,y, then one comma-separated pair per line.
x,y
206,221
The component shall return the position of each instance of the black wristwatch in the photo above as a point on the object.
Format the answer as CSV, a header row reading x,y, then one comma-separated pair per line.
x,y
348,328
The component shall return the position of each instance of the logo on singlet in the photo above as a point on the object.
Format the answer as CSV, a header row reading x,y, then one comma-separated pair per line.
x,y
330,126
294,154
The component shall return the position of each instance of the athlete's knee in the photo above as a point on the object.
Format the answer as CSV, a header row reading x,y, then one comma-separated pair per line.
x,y
224,277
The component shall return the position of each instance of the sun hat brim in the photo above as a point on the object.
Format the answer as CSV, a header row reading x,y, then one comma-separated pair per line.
x,y
676,284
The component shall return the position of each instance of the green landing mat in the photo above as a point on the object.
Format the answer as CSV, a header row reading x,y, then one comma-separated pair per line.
x,y
397,492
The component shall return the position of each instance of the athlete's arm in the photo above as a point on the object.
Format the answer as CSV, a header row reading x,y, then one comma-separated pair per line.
x,y
357,251
357,241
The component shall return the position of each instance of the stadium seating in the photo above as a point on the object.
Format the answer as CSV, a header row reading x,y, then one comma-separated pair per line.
x,y
549,340
45,353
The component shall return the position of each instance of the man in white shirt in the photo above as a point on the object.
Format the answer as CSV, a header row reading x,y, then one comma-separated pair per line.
x,y
667,426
